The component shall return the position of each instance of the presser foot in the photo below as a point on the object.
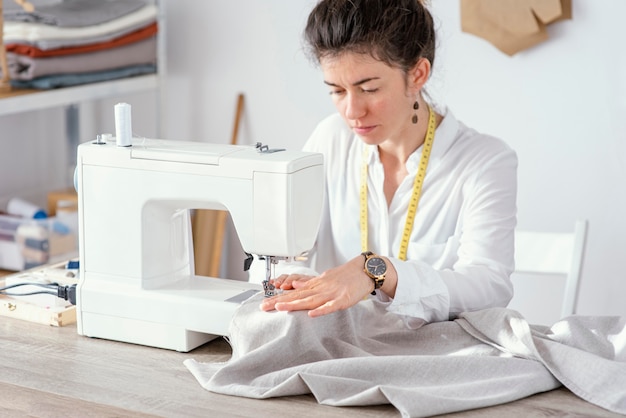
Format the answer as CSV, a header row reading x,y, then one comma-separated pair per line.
x,y
269,289
270,262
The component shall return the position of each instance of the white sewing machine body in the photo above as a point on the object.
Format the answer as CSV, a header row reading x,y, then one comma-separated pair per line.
x,y
137,281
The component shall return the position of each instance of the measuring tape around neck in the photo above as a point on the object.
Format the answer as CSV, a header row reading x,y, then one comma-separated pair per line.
x,y
415,196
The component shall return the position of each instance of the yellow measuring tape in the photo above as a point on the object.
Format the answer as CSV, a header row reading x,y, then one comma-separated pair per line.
x,y
415,196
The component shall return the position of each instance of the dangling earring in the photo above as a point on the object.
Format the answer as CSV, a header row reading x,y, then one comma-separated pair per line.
x,y
416,106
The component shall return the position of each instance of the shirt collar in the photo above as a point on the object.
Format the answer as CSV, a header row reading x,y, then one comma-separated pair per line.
x,y
444,138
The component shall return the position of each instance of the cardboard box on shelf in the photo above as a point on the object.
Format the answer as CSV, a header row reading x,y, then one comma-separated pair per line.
x,y
65,199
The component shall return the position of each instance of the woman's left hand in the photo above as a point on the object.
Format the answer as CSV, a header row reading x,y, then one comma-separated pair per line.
x,y
335,289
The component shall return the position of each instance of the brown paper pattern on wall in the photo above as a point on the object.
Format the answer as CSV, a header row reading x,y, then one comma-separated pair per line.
x,y
512,25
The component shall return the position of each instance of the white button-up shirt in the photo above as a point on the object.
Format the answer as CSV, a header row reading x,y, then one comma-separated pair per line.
x,y
460,252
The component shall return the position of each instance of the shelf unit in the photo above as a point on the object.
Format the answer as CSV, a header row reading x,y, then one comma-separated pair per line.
x,y
69,98
23,100
17,101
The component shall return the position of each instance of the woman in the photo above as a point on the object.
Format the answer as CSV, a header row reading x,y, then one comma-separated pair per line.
x,y
419,209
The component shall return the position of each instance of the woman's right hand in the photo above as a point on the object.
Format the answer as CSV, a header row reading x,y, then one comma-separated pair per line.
x,y
336,289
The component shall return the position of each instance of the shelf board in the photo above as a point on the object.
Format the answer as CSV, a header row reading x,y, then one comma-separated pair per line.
x,y
20,100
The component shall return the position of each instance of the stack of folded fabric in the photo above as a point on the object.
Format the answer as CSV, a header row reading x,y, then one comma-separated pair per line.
x,y
71,42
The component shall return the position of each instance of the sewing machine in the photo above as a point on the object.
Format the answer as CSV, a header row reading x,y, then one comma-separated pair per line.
x,y
137,281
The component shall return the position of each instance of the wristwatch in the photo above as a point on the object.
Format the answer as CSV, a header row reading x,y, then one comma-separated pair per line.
x,y
375,267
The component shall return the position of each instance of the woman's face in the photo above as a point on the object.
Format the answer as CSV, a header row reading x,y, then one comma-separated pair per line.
x,y
371,96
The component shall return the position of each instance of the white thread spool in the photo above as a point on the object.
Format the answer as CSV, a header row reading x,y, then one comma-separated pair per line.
x,y
123,125
23,208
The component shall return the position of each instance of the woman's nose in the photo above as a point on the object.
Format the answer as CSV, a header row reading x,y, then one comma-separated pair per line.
x,y
354,107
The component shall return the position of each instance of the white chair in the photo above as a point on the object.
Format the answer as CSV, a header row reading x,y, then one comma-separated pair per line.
x,y
538,257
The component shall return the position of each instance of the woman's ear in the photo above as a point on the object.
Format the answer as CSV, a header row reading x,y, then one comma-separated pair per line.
x,y
419,74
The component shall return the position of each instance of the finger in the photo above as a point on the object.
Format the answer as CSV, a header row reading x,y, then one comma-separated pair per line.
x,y
297,301
271,303
287,282
302,283
279,281
267,304
325,309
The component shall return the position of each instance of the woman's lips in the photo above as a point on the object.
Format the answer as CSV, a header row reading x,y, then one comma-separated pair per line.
x,y
363,130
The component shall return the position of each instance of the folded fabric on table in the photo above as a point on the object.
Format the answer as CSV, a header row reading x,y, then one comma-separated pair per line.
x,y
35,52
366,356
23,67
68,80
38,34
75,13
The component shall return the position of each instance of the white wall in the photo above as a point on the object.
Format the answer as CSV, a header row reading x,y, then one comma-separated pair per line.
x,y
219,49
32,156
558,105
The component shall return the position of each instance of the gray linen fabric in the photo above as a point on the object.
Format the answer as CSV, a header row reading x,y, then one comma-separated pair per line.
x,y
74,13
23,67
66,80
366,356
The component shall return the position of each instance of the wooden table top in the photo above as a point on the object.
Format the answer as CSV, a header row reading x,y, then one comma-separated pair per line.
x,y
52,371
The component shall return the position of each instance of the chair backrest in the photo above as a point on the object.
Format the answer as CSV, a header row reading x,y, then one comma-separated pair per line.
x,y
549,253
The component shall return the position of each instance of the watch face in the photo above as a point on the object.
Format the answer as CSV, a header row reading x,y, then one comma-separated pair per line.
x,y
376,266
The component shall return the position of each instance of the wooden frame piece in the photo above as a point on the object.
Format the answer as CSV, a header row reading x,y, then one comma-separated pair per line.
x,y
209,226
